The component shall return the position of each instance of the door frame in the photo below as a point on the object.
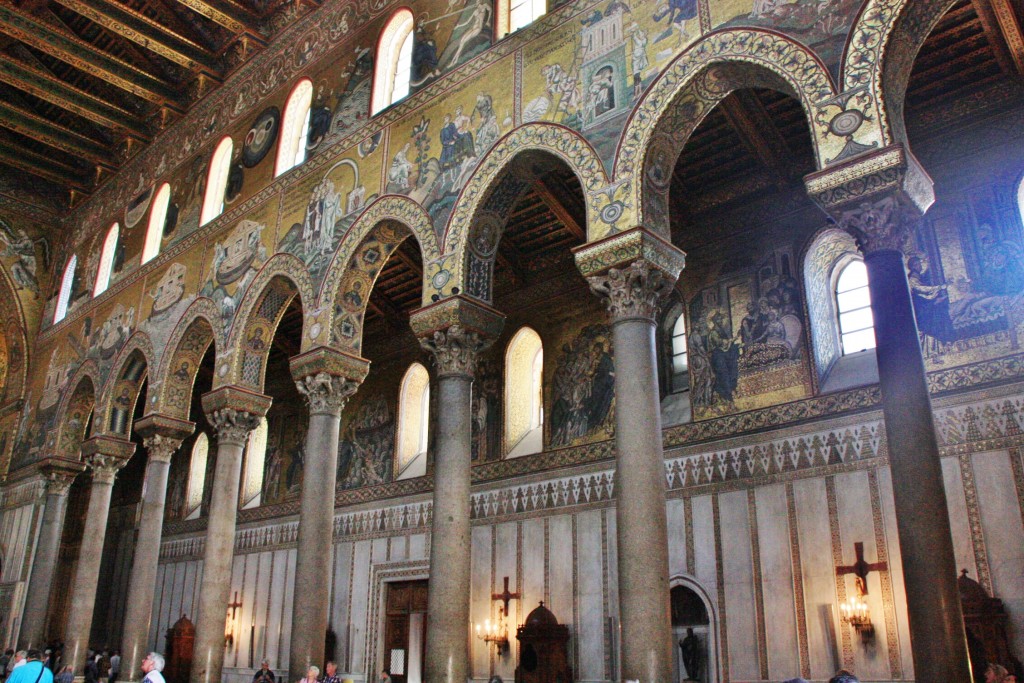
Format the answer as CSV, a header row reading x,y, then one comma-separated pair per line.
x,y
381,575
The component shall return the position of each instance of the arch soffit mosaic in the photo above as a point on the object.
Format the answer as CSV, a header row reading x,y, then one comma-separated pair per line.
x,y
12,318
131,367
172,384
690,87
880,54
281,279
347,269
82,398
558,140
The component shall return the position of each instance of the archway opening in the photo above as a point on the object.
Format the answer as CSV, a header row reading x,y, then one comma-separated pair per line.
x,y
691,631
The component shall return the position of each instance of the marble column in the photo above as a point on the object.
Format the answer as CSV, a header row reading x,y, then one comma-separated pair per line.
x,y
161,437
326,378
234,412
882,222
104,455
59,475
454,330
645,267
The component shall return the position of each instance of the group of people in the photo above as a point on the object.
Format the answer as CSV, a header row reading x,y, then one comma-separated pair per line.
x,y
33,666
994,673
313,674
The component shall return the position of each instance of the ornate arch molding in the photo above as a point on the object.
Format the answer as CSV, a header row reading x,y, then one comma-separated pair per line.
x,y
15,333
74,409
476,196
880,53
172,383
283,278
693,84
121,391
354,252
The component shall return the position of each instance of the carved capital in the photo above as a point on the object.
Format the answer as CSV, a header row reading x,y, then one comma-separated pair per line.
x,y
326,394
455,350
233,426
160,448
632,292
234,412
104,467
59,474
878,225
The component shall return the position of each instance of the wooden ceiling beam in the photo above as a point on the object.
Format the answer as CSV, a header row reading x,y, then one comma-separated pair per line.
x,y
227,13
556,207
26,161
51,89
63,45
141,30
54,135
508,257
758,133
999,20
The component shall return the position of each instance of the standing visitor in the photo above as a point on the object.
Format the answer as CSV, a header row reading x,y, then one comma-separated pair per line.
x,y
152,666
32,671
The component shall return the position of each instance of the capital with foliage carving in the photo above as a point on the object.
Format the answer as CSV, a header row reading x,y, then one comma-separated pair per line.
x,y
59,474
631,271
162,435
234,412
327,378
105,455
455,330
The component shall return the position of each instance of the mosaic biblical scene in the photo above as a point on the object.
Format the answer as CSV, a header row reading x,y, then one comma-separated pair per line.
x,y
236,258
583,389
286,457
366,451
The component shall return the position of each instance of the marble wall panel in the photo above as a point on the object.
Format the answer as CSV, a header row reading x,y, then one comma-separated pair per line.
x,y
899,595
506,563
561,575
739,586
339,610
705,561
818,575
280,577
590,594
676,519
1004,534
777,582
481,608
534,553
958,521
359,606
418,544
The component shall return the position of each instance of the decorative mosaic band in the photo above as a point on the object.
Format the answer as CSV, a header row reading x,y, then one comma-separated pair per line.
x,y
624,248
155,424
331,361
112,446
461,311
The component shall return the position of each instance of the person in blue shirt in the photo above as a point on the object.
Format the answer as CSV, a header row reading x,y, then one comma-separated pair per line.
x,y
32,671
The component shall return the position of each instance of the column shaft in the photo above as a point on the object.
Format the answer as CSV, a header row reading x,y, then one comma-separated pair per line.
x,y
448,596
87,573
641,526
314,556
929,565
208,651
34,619
139,608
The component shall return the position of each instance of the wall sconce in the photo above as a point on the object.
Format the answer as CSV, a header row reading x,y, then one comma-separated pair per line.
x,y
495,632
855,612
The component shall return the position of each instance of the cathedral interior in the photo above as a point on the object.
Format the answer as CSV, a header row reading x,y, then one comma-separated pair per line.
x,y
565,340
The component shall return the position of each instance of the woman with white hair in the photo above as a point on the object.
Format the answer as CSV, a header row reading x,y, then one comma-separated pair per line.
x,y
152,666
312,674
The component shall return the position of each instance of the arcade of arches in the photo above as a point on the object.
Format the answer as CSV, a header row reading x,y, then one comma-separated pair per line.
x,y
699,322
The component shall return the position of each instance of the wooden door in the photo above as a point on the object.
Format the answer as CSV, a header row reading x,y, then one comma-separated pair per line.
x,y
405,631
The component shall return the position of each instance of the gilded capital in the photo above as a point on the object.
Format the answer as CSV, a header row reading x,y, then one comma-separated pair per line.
x,y
327,378
59,474
105,455
162,435
631,292
455,330
234,412
104,467
160,448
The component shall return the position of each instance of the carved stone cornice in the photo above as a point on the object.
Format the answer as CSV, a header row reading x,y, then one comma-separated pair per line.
x,y
890,171
631,271
327,378
880,224
455,330
234,412
59,474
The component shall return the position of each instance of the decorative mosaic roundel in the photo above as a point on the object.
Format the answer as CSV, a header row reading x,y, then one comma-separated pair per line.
x,y
261,137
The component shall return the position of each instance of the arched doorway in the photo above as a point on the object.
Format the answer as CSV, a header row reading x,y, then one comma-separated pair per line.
x,y
693,635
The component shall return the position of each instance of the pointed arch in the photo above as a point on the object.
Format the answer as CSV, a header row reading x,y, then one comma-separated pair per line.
x,y
121,392
67,281
157,220
689,88
291,145
564,143
880,53
393,65
106,266
74,410
413,423
363,250
171,386
524,394
217,181
279,281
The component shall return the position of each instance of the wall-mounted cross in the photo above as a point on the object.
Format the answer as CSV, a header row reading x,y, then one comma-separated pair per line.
x,y
505,596
861,569
233,606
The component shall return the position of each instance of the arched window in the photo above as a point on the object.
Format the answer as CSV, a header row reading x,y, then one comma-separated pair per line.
x,y
106,260
66,284
157,219
853,303
413,423
394,62
197,477
255,456
217,181
680,361
291,150
524,396
516,14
